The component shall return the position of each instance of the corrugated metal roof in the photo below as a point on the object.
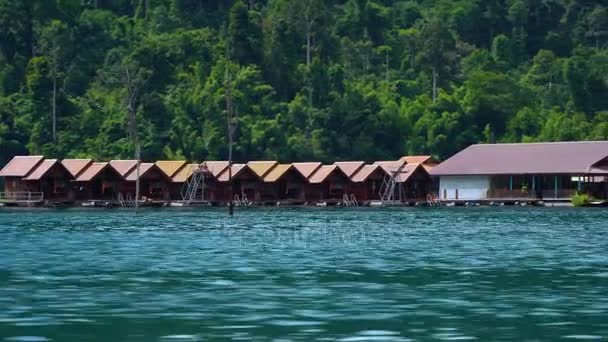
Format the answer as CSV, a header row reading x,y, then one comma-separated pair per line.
x,y
217,167
41,169
322,173
307,169
350,167
418,159
20,166
184,173
123,167
76,166
91,172
363,174
236,170
532,158
261,168
277,172
143,169
170,167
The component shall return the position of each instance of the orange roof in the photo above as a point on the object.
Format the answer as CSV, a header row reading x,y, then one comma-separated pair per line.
x,y
322,173
390,165
143,168
20,166
123,167
182,175
216,167
91,172
236,169
76,166
350,167
418,159
428,167
365,172
41,169
277,172
170,167
307,169
261,168
408,171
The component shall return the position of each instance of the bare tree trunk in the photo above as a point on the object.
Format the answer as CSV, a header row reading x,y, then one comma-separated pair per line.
x,y
54,105
230,133
387,67
308,47
434,84
138,158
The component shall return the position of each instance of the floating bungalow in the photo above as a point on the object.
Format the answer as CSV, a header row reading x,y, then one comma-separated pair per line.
x,y
34,180
522,172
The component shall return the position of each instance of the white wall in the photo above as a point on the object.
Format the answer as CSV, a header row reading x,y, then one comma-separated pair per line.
x,y
469,187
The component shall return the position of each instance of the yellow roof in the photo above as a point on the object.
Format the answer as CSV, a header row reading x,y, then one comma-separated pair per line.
x,y
182,175
261,168
277,172
170,167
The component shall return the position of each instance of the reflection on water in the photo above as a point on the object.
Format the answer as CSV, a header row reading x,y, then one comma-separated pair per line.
x,y
304,274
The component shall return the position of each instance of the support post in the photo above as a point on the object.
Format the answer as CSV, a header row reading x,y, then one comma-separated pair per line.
x,y
510,183
555,189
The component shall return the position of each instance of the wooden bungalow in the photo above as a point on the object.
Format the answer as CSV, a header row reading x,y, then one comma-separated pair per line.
x,y
414,178
154,183
245,184
366,183
14,172
288,184
328,184
171,168
98,181
52,179
264,191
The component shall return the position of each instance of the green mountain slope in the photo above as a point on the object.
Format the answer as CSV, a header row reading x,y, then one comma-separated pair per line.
x,y
309,79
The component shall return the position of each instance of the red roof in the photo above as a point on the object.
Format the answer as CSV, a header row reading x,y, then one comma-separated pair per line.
x,y
363,174
323,173
76,166
533,158
143,169
350,167
20,166
236,170
123,167
307,169
418,159
217,167
91,172
41,169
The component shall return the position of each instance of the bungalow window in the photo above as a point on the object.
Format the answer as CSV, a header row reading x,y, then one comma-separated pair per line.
x,y
59,186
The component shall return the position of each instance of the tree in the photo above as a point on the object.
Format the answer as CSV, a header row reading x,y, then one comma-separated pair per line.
x,y
55,44
437,49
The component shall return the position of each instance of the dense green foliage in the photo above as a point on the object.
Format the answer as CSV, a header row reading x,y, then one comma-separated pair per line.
x,y
309,79
581,199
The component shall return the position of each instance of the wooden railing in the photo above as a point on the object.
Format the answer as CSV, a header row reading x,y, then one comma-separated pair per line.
x,y
21,197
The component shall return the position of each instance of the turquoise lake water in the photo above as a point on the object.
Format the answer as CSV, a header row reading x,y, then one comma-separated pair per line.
x,y
309,274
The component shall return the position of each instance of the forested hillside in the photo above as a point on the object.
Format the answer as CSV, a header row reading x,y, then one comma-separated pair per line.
x,y
309,79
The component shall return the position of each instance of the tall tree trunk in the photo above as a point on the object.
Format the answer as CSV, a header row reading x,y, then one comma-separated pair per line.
x,y
138,158
387,67
308,46
54,105
230,138
434,84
